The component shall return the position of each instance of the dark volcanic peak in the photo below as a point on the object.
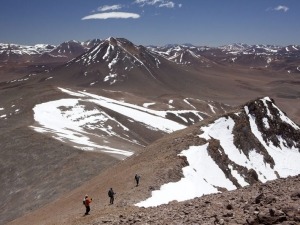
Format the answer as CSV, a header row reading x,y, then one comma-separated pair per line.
x,y
69,48
117,57
67,51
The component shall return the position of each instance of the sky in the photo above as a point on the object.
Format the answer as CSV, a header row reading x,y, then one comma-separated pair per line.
x,y
151,22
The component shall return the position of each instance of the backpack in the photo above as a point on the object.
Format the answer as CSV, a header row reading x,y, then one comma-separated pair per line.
x,y
110,194
83,202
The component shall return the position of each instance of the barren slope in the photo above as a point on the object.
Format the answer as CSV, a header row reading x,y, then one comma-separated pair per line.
x,y
158,164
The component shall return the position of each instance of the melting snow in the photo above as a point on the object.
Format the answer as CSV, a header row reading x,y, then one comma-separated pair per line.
x,y
212,108
68,125
284,157
69,121
266,123
111,77
146,105
196,182
203,175
153,119
187,102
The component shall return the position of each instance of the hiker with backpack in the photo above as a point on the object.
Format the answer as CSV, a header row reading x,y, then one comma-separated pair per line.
x,y
137,179
111,194
86,202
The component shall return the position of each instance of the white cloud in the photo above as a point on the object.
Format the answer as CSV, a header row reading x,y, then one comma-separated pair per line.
x,y
112,15
160,3
167,4
109,7
281,8
179,5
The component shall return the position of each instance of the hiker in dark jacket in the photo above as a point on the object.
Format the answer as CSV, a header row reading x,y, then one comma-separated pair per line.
x,y
137,179
87,202
111,195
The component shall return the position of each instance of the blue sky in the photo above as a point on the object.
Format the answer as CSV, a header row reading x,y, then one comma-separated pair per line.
x,y
146,22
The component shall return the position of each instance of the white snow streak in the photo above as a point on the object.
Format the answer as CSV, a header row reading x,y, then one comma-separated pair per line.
x,y
196,182
286,159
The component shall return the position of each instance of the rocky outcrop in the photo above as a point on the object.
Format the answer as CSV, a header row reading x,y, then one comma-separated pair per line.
x,y
275,202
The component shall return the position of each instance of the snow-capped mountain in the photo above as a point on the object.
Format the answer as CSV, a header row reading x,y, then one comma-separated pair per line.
x,y
67,50
183,54
115,58
91,43
251,56
256,143
44,52
20,53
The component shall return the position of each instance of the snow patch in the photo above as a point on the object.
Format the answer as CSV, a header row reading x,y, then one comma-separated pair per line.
x,y
196,181
148,104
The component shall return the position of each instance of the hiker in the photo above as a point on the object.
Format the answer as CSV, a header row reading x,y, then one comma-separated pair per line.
x,y
137,179
111,194
87,202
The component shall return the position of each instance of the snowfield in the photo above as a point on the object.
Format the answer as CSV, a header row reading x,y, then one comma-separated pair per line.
x,y
69,120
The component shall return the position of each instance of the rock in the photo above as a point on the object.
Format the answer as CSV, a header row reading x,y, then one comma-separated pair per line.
x,y
229,207
259,198
229,214
272,212
295,196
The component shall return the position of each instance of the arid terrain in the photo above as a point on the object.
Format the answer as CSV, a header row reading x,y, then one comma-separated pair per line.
x,y
135,109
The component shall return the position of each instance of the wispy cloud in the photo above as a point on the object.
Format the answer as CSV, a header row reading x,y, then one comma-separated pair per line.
x,y
159,3
109,7
112,15
167,4
279,8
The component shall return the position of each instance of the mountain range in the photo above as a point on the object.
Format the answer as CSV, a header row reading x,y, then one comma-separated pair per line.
x,y
188,54
85,116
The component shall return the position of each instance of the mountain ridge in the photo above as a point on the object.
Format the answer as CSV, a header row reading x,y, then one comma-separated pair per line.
x,y
55,114
158,164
